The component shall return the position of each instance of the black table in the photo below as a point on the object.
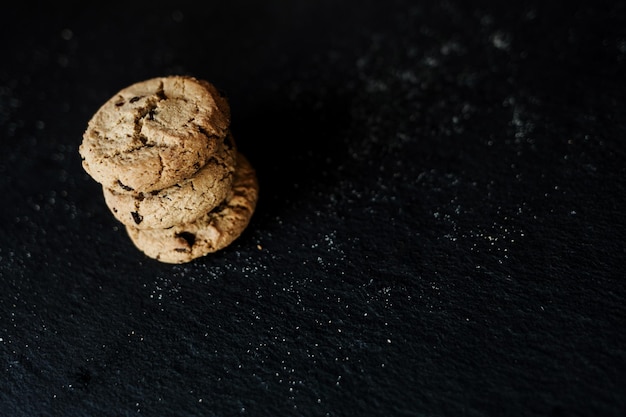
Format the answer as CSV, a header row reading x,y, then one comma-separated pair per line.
x,y
440,228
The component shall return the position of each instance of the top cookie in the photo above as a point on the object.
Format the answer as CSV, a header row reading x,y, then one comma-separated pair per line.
x,y
154,133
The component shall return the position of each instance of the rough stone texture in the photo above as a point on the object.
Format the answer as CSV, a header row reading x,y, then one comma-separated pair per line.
x,y
444,237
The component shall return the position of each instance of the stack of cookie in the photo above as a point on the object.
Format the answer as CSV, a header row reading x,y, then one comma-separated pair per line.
x,y
169,167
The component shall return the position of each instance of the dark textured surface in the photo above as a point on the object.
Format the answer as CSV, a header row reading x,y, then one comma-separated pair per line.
x,y
440,230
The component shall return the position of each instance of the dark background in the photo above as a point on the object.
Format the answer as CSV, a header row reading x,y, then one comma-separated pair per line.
x,y
440,227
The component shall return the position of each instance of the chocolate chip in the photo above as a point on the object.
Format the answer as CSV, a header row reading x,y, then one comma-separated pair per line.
x,y
125,187
138,218
161,93
190,238
220,207
135,99
203,131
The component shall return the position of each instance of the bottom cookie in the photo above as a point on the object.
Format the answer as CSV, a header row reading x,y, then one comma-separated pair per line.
x,y
209,233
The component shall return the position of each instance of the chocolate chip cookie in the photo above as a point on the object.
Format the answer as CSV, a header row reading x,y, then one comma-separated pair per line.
x,y
154,134
209,233
179,203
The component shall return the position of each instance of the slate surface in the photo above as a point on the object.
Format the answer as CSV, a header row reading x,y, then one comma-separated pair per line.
x,y
440,230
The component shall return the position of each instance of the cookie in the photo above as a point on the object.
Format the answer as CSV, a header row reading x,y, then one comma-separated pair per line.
x,y
209,233
154,134
180,203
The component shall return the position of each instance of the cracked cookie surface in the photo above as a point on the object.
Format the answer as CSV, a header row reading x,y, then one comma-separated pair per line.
x,y
180,203
154,134
210,232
